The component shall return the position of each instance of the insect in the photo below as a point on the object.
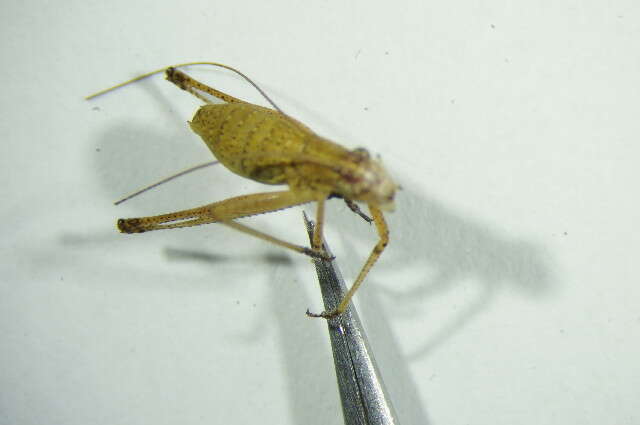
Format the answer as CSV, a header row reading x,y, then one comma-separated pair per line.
x,y
269,146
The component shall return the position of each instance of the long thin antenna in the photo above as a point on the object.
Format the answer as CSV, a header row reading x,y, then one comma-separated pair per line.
x,y
181,173
157,71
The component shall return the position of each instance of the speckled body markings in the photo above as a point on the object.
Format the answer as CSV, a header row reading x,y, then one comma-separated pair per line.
x,y
266,146
251,141
271,147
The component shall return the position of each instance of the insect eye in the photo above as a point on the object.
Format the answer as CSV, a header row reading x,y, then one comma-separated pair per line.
x,y
362,152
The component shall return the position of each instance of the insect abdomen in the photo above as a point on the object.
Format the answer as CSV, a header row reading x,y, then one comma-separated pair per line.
x,y
250,140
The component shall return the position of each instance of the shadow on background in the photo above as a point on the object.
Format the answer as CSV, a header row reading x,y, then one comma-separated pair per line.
x,y
305,356
454,249
450,246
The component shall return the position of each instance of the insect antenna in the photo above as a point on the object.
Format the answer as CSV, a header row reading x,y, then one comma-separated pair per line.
x,y
165,180
157,71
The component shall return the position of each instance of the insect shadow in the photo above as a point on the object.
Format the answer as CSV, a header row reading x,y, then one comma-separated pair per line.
x,y
453,249
454,246
451,246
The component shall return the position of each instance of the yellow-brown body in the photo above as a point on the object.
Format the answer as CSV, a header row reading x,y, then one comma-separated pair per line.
x,y
272,148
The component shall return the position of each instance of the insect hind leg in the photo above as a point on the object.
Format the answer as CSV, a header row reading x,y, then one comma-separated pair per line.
x,y
224,212
197,88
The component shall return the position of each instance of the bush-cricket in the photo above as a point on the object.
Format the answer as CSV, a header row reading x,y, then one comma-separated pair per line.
x,y
270,147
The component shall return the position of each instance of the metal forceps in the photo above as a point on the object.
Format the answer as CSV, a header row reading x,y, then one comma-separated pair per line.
x,y
364,399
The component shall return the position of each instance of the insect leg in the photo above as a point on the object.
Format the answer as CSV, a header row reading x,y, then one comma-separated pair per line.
x,y
383,233
224,212
179,79
264,236
228,209
317,232
356,209
196,88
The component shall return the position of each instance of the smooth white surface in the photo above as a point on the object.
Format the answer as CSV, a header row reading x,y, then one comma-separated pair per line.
x,y
509,293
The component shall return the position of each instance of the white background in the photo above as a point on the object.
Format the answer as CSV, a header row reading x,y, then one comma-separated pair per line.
x,y
509,292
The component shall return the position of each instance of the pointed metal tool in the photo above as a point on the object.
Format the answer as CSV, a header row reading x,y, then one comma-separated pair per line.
x,y
364,399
